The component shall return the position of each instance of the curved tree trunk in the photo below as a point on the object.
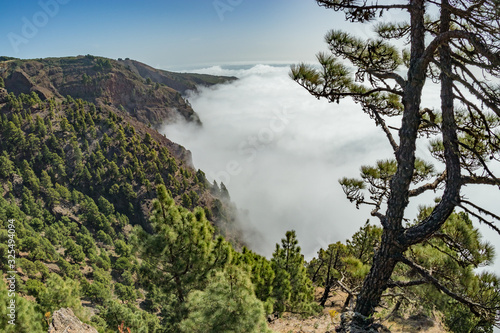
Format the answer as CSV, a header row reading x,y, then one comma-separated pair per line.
x,y
375,283
395,239
392,245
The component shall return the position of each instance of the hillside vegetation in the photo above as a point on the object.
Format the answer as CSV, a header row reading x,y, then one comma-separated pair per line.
x,y
109,218
152,96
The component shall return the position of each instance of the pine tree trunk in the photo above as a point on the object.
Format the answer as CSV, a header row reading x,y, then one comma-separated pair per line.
x,y
329,282
178,286
376,281
346,302
324,298
391,248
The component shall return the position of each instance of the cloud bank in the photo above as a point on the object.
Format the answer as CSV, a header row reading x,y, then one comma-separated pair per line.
x,y
280,152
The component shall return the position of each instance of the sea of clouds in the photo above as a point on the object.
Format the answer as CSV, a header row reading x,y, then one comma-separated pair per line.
x,y
280,152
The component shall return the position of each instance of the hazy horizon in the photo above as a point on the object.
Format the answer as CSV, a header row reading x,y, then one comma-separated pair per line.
x,y
167,34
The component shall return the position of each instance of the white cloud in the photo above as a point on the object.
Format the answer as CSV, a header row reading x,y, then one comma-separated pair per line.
x,y
281,152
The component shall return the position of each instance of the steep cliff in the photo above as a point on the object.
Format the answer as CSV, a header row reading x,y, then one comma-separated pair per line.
x,y
152,96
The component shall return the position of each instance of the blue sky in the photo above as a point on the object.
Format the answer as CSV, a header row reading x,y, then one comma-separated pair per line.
x,y
168,33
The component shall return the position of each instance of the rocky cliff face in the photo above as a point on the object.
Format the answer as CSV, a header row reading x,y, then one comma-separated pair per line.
x,y
137,98
181,82
150,95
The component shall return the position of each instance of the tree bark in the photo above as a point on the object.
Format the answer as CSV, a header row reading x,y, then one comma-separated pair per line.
x,y
326,292
346,302
451,195
329,278
375,283
386,257
395,240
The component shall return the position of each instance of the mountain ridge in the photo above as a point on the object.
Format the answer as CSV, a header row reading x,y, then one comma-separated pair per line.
x,y
151,95
65,86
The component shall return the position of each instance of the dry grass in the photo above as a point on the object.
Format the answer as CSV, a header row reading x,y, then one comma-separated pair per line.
x,y
323,322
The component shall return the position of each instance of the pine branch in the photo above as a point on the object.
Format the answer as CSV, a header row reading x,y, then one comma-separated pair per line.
x,y
491,137
428,186
481,160
346,4
492,104
453,246
380,121
480,180
479,217
459,59
447,36
346,289
404,284
475,308
381,217
457,11
388,75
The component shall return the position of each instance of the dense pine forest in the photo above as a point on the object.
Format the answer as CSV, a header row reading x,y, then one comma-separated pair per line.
x,y
107,217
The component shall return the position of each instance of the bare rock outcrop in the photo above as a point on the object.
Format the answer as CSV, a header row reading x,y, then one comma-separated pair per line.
x,y
3,95
64,320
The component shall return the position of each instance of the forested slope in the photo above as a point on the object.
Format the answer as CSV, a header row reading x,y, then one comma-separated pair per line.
x,y
109,218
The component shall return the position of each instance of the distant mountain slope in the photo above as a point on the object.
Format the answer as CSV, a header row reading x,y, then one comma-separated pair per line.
x,y
80,165
75,178
150,95
100,107
181,82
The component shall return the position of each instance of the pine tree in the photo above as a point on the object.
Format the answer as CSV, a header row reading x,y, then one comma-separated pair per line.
x,y
60,293
227,304
292,288
364,242
448,49
180,254
6,166
224,192
328,268
74,251
15,137
262,275
121,248
27,318
114,314
452,256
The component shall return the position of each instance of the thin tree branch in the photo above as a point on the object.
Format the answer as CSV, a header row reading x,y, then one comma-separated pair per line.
x,y
445,37
481,160
479,217
429,186
334,96
387,75
346,289
404,284
337,5
480,180
474,307
479,94
379,120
